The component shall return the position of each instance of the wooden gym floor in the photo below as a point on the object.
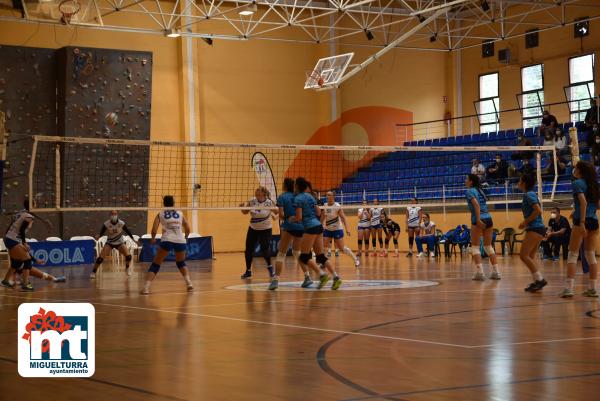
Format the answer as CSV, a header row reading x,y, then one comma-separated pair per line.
x,y
459,340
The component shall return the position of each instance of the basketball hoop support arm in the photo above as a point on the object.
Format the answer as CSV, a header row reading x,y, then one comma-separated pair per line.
x,y
386,49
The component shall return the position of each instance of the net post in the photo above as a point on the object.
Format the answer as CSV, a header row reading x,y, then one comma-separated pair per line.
x,y
554,157
538,165
57,174
574,144
444,200
31,169
506,197
389,201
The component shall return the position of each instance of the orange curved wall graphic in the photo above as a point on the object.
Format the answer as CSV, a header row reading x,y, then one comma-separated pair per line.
x,y
330,167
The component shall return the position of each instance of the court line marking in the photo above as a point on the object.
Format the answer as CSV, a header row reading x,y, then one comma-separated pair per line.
x,y
292,326
352,333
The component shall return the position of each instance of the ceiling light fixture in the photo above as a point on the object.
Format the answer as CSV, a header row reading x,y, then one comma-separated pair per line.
x,y
249,9
172,33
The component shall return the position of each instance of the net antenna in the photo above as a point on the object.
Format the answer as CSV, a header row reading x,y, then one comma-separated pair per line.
x,y
328,71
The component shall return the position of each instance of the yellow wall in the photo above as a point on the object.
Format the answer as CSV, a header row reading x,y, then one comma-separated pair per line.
x,y
251,92
556,47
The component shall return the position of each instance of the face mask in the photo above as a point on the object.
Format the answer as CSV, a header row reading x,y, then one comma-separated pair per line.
x,y
597,140
114,219
498,160
552,215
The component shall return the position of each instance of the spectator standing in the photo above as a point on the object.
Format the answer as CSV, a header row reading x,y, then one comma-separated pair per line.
x,y
549,123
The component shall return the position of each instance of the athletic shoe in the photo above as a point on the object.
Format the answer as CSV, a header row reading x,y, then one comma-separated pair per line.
x,y
396,254
27,287
555,259
374,253
566,293
479,276
495,276
409,254
337,282
383,254
190,287
420,255
271,271
307,282
323,280
356,262
7,284
366,254
92,276
358,253
337,252
145,291
432,254
274,284
591,293
60,279
329,253
128,271
536,286
247,274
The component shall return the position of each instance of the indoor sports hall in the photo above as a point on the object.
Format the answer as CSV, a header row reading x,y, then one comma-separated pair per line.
x,y
326,200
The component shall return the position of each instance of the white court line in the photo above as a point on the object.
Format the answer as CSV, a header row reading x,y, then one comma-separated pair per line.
x,y
350,333
561,340
291,326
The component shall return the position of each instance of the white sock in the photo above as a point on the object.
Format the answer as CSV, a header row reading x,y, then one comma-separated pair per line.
x,y
479,268
188,280
537,276
349,252
322,272
495,268
570,283
586,279
147,285
335,275
307,274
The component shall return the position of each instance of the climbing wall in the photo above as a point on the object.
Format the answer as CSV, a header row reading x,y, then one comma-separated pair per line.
x,y
77,92
28,100
105,94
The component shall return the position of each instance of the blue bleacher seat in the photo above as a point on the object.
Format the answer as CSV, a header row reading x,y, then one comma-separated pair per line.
x,y
529,132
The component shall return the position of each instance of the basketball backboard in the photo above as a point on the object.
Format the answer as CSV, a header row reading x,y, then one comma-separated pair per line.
x,y
328,71
74,12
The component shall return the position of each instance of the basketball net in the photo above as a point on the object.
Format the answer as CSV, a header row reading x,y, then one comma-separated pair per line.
x,y
68,8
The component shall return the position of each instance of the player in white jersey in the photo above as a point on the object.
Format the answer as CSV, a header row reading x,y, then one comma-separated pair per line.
x,y
114,229
260,229
334,221
427,236
364,228
21,261
377,215
175,230
414,215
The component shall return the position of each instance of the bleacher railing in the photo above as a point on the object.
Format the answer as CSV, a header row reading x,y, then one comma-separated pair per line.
x,y
470,124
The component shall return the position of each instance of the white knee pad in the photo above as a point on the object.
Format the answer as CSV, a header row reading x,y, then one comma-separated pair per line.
x,y
475,251
280,257
573,256
489,250
590,257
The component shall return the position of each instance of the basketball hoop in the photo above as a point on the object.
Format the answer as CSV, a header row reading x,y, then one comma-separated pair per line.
x,y
68,8
327,72
315,78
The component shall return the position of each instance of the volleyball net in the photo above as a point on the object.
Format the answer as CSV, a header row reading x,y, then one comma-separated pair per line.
x,y
81,174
